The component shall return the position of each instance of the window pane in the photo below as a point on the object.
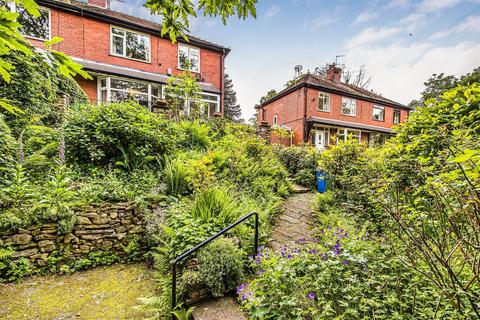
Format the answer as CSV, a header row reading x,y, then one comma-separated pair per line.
x,y
194,57
117,44
129,85
36,27
103,95
182,56
137,46
117,31
378,113
396,116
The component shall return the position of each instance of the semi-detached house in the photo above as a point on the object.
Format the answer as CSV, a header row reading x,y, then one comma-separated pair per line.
x,y
322,110
126,55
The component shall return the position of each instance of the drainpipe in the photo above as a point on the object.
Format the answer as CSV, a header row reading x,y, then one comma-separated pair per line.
x,y
305,129
222,74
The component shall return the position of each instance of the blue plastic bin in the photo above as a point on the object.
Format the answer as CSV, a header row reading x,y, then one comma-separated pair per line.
x,y
321,181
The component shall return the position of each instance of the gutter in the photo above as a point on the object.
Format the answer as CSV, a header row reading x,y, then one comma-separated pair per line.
x,y
85,12
305,129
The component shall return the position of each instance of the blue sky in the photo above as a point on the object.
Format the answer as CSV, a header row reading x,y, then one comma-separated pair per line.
x,y
445,38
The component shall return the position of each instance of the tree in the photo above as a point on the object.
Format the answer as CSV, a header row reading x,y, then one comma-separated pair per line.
x,y
176,14
232,109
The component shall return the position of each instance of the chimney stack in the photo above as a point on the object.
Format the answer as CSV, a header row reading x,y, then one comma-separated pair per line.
x,y
334,73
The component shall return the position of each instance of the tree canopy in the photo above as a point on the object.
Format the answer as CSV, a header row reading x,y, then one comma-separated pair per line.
x,y
232,108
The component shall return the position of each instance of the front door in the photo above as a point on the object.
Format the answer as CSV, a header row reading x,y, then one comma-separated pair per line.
x,y
320,139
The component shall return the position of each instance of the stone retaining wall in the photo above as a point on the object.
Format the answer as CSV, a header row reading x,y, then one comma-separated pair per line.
x,y
107,228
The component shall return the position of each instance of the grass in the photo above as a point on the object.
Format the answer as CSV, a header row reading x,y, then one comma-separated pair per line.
x,y
102,293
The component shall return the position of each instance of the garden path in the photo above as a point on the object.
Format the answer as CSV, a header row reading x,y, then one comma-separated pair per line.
x,y
296,220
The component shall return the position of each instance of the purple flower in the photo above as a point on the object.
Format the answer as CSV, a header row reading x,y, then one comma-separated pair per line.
x,y
301,240
313,251
337,248
240,288
261,248
244,297
345,262
260,271
289,256
322,231
315,240
311,295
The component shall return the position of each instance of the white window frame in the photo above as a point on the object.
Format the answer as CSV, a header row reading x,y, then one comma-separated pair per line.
x,y
124,55
347,133
376,106
108,89
324,95
12,6
395,111
351,101
189,48
187,102
275,120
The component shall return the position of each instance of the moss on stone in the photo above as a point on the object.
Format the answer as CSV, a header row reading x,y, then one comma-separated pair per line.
x,y
102,293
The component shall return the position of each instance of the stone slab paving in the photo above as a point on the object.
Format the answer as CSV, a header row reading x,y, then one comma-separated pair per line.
x,y
296,220
225,308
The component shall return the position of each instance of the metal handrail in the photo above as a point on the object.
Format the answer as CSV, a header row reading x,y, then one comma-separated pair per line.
x,y
204,243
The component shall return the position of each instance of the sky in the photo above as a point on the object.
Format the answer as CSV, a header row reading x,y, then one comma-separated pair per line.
x,y
401,43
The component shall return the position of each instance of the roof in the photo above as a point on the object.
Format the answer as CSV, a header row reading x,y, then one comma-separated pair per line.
x,y
322,83
348,124
125,20
104,68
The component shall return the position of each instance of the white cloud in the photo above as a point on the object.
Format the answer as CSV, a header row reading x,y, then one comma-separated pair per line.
x,y
398,71
372,35
471,24
322,21
366,15
272,11
436,5
397,3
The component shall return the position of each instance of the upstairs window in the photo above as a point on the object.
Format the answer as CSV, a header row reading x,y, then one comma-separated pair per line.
x,y
323,102
396,116
378,113
188,58
349,106
275,120
32,27
129,44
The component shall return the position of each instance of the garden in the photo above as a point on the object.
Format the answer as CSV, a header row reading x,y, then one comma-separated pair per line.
x,y
82,185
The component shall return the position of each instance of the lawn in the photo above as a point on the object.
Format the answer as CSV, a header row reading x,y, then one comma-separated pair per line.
x,y
102,293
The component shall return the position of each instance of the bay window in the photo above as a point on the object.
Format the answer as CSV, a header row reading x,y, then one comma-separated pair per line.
x,y
345,134
188,58
349,106
117,90
128,44
378,113
323,102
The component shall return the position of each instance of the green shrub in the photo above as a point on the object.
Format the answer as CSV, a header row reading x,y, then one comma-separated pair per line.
x,y
221,266
121,135
301,163
216,205
35,89
175,177
8,149
343,274
196,135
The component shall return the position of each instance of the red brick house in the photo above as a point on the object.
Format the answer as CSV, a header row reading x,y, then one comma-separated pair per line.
x,y
323,110
126,55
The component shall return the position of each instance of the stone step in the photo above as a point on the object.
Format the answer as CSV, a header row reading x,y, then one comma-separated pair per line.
x,y
224,308
300,189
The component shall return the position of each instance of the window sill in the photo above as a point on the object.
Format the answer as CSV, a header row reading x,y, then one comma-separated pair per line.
x,y
349,115
192,71
35,38
323,110
373,119
133,59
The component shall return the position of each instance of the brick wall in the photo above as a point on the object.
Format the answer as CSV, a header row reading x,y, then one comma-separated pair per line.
x,y
290,110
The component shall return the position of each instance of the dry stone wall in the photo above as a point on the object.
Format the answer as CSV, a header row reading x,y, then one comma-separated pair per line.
x,y
107,227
